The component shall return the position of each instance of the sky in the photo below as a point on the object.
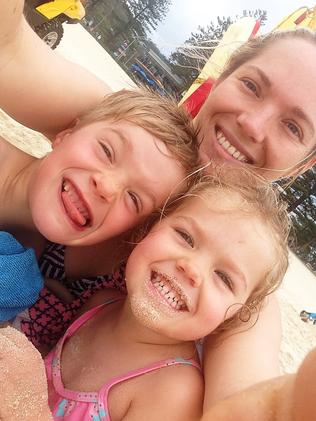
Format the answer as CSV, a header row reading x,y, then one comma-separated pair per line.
x,y
185,16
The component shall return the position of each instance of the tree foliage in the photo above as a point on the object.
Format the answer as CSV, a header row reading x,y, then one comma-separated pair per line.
x,y
113,22
301,197
149,12
190,58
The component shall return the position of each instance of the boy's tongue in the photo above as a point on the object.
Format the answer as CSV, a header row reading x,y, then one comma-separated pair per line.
x,y
72,210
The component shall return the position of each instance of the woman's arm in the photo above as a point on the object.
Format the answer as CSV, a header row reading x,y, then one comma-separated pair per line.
x,y
236,360
40,88
286,398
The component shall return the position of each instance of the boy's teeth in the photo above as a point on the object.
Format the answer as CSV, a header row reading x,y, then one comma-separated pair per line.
x,y
229,148
82,214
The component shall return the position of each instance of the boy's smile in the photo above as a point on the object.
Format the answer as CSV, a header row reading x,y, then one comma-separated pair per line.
x,y
99,181
75,206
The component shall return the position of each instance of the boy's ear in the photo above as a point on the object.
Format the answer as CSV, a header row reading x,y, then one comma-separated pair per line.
x,y
60,137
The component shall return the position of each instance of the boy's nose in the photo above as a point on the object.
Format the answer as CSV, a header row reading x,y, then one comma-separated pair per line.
x,y
190,270
106,187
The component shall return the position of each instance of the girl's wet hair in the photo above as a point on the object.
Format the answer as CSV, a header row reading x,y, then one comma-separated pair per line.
x,y
255,197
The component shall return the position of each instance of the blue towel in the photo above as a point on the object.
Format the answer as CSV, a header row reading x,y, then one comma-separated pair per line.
x,y
20,278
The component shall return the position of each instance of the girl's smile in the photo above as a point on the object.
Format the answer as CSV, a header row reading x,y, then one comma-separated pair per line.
x,y
196,264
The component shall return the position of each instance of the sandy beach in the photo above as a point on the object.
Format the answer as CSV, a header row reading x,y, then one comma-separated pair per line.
x,y
298,291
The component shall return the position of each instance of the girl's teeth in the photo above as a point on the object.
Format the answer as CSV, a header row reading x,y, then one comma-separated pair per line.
x,y
174,299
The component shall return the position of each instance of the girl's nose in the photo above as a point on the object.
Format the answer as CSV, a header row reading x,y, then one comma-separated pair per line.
x,y
190,271
255,123
105,187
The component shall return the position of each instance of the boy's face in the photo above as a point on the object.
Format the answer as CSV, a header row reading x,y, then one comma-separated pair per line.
x,y
99,181
195,267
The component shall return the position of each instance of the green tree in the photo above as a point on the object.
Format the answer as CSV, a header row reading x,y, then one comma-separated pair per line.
x,y
301,197
149,12
189,59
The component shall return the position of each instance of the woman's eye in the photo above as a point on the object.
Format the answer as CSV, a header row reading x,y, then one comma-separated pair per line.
x,y
225,278
187,237
251,86
294,129
107,151
136,201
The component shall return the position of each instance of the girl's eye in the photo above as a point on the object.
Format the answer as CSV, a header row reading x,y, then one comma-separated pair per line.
x,y
186,237
107,151
251,86
294,129
136,201
226,279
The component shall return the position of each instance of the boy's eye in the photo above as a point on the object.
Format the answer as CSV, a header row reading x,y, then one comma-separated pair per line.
x,y
225,278
187,237
251,86
136,201
107,151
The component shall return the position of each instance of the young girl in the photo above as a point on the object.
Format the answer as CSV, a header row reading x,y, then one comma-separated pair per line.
x,y
23,389
195,272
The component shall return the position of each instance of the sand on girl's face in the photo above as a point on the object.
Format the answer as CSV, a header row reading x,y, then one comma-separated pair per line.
x,y
298,291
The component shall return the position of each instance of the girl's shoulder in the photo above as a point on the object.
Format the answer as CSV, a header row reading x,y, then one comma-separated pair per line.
x,y
173,384
100,297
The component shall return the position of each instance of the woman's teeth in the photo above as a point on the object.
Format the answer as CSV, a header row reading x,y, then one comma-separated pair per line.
x,y
169,292
229,148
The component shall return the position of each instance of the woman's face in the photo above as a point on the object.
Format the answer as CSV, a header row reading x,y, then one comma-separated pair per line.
x,y
264,113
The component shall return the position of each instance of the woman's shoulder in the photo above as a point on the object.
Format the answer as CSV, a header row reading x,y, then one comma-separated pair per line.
x,y
242,357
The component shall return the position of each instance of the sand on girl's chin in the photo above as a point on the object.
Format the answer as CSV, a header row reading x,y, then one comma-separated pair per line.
x,y
144,311
298,291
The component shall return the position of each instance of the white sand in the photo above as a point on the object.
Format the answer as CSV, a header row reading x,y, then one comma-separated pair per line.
x,y
299,288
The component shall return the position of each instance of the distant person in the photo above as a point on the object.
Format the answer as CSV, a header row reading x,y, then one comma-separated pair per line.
x,y
261,114
306,316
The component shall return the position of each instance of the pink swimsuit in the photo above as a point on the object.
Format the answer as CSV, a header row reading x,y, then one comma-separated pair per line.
x,y
83,406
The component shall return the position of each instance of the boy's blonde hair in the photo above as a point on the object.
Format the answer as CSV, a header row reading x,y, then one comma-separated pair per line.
x,y
258,199
159,116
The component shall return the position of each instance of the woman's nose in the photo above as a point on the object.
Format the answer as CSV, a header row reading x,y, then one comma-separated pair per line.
x,y
190,270
255,123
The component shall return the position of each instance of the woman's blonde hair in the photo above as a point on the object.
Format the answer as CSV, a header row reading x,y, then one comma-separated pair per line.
x,y
159,116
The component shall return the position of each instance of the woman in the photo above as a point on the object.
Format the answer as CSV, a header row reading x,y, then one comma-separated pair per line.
x,y
262,113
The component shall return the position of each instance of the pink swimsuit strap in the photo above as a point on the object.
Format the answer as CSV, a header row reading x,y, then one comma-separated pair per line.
x,y
102,395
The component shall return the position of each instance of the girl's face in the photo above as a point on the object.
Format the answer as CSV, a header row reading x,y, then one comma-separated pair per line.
x,y
264,113
99,181
185,276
